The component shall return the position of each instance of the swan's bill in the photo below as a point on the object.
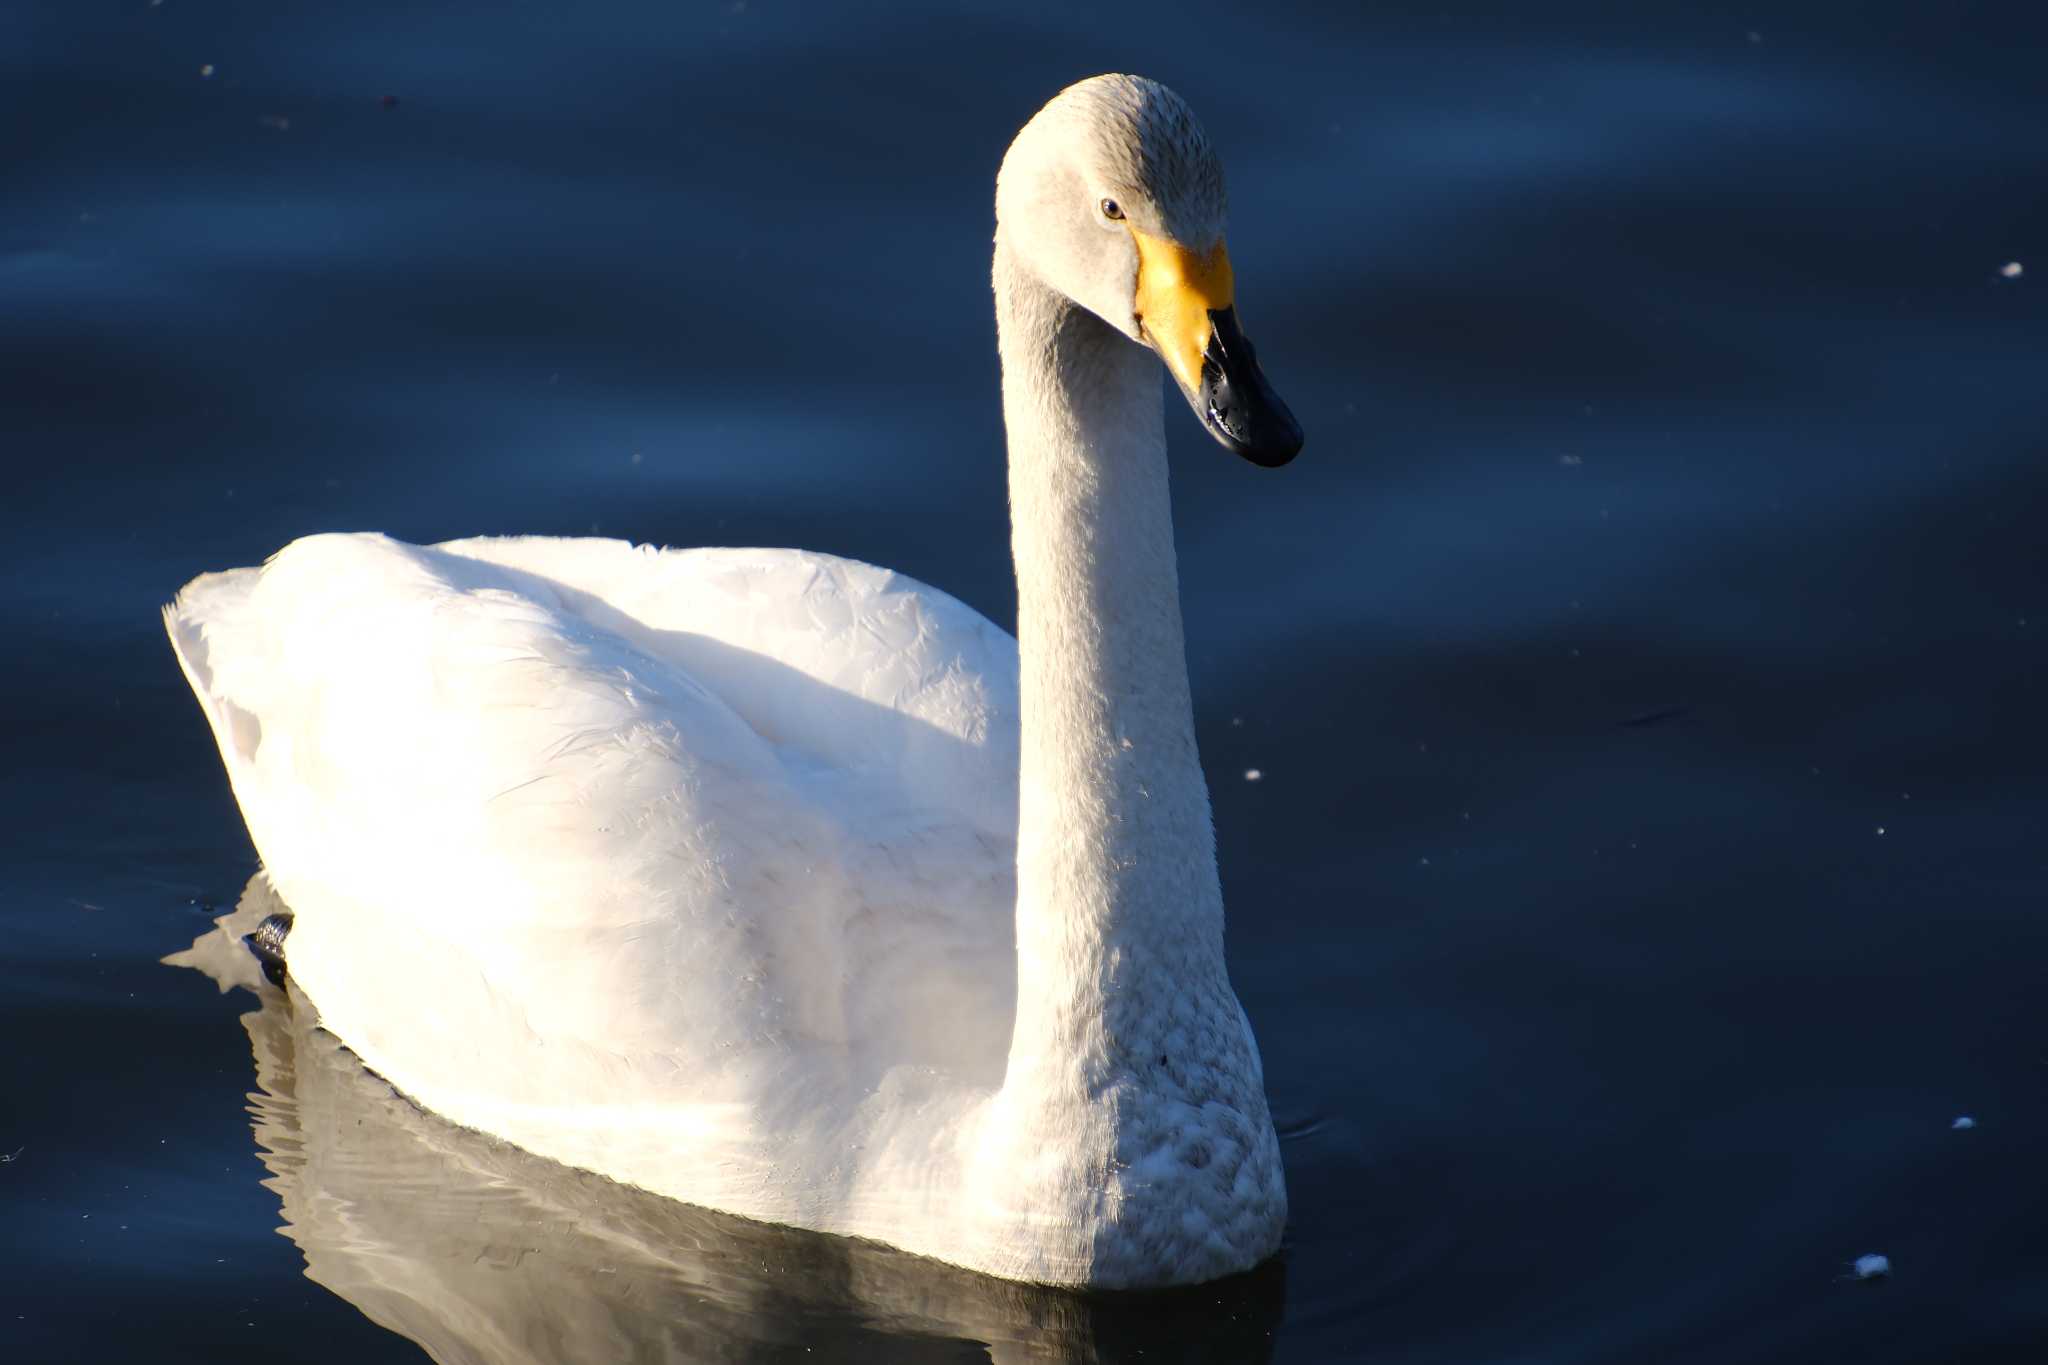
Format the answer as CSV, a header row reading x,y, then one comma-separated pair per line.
x,y
1186,308
1237,404
1178,288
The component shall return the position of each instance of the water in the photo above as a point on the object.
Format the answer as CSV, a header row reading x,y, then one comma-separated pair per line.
x,y
1642,663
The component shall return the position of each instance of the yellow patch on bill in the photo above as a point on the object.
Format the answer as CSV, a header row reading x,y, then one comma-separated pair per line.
x,y
1178,287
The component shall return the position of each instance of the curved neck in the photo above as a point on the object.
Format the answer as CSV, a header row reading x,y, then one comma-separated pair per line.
x,y
1119,912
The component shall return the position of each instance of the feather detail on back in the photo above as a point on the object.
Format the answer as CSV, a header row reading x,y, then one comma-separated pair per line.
x,y
752,865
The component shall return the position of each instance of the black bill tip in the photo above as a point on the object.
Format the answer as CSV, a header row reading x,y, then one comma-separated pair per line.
x,y
1236,403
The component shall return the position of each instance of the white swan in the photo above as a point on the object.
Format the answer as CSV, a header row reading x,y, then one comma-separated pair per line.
x,y
783,885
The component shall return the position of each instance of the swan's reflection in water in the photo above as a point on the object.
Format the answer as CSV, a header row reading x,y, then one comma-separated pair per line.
x,y
483,1253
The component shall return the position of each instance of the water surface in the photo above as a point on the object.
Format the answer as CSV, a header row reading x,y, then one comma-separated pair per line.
x,y
1642,663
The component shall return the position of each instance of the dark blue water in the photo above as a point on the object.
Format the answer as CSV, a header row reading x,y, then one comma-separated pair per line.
x,y
1644,663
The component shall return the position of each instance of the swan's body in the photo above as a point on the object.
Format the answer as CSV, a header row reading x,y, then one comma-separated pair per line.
x,y
772,882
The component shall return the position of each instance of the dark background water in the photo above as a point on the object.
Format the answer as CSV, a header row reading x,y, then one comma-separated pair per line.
x,y
1644,662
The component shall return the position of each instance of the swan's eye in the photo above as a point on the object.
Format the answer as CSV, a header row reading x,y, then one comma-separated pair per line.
x,y
1112,210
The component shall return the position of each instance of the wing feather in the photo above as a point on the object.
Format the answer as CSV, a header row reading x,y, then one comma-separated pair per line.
x,y
577,820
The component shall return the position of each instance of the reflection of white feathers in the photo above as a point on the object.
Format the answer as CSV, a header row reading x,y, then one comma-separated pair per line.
x,y
484,1254
782,884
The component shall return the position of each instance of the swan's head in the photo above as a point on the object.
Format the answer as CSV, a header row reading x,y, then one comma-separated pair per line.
x,y
1112,196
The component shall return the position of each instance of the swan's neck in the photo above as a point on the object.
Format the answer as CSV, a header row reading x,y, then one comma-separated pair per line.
x,y
1119,913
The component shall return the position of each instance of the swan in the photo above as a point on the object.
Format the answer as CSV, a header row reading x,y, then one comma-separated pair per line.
x,y
783,885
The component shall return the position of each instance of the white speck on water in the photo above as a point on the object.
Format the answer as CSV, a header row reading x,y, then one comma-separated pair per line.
x,y
1880,831
1963,1122
277,122
1871,1267
637,457
1571,461
1237,722
1252,774
1755,39
206,72
2012,270
1422,862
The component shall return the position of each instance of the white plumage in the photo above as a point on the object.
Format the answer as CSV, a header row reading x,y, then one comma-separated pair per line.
x,y
707,869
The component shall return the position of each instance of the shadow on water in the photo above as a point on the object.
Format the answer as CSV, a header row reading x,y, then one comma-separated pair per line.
x,y
480,1252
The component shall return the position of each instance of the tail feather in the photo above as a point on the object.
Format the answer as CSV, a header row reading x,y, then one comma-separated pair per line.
x,y
209,607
